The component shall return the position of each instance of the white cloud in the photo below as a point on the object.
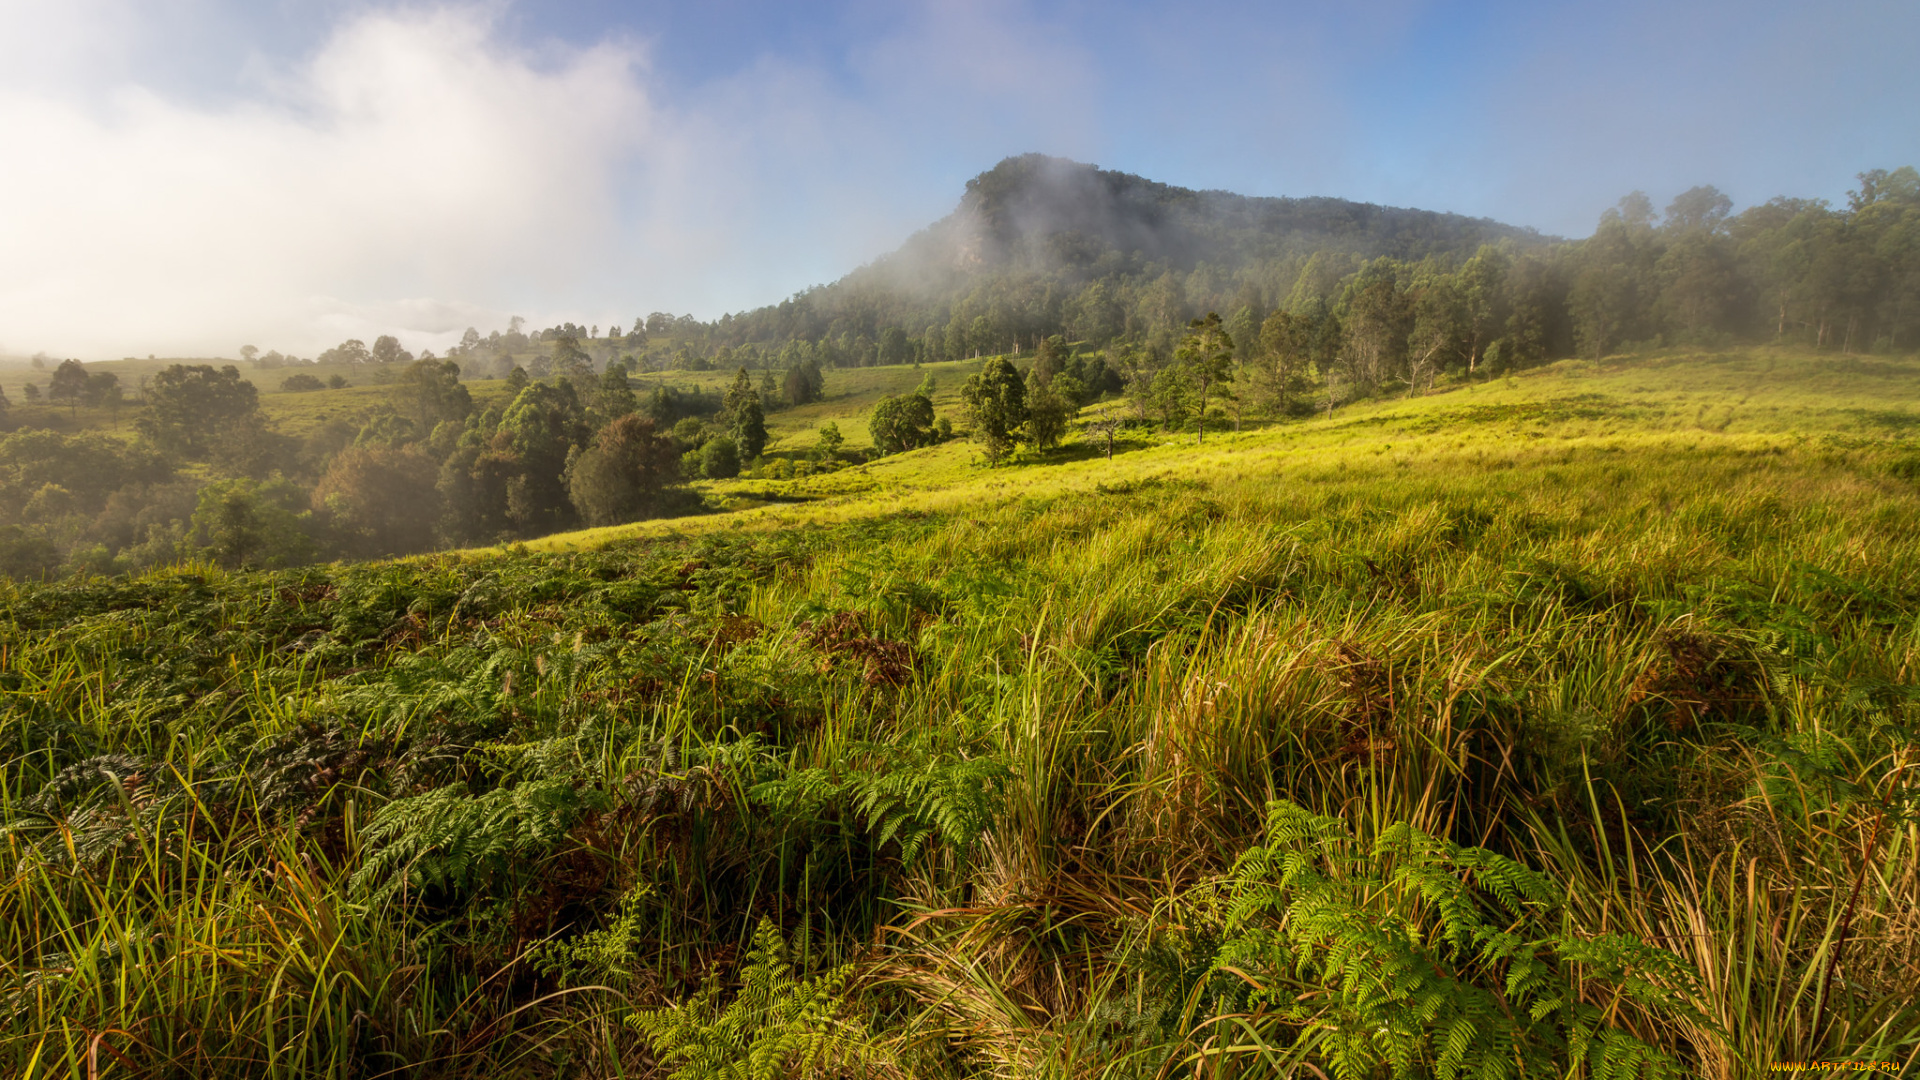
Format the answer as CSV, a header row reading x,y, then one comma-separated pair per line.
x,y
419,173
414,175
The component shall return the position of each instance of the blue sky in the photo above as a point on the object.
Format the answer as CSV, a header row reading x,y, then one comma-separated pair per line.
x,y
188,175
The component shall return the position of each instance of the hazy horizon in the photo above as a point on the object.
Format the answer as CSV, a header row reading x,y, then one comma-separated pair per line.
x,y
193,175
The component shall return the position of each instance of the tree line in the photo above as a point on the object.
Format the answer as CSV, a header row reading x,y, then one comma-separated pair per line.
x,y
1396,305
1794,271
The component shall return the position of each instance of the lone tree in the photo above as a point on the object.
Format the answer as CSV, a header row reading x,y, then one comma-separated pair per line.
x,y
1206,358
69,384
745,418
1106,427
996,403
830,442
387,350
901,423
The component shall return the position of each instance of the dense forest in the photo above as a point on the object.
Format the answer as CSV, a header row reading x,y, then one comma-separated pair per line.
x,y
1094,275
1042,247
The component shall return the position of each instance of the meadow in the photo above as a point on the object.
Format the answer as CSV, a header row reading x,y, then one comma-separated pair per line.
x,y
1557,725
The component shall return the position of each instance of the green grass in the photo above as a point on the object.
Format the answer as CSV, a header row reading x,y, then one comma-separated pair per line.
x,y
1576,426
851,393
303,412
988,750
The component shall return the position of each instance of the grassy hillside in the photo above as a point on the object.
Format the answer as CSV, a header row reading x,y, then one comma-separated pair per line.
x,y
1576,425
1564,723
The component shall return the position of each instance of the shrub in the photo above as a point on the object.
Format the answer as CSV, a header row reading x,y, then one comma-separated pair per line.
x,y
720,459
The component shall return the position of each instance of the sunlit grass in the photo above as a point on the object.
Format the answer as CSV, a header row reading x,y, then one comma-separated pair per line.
x,y
1576,426
1573,617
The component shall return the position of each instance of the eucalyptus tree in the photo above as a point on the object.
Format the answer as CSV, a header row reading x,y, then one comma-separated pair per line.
x,y
996,404
1205,359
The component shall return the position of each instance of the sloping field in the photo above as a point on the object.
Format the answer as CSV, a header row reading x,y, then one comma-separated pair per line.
x,y
1556,726
1578,427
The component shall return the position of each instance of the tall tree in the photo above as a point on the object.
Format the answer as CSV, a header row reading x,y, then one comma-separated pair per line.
x,y
541,428
901,423
1377,317
1244,328
1439,332
749,428
68,384
619,478
387,350
614,398
1048,410
430,393
1699,209
1048,359
804,383
380,500
1613,285
569,360
996,404
893,347
197,413
738,394
1483,282
1166,301
1205,357
1286,347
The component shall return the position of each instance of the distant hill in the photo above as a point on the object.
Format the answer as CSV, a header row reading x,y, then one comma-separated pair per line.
x,y
1035,212
1033,232
1119,264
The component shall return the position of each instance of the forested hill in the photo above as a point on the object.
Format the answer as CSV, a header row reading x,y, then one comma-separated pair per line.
x,y
1039,213
1034,232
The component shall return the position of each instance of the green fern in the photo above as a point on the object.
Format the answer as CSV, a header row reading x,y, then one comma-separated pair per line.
x,y
607,955
776,1026
1418,956
919,798
452,840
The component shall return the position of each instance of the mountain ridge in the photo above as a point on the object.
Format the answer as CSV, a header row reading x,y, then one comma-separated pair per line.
x,y
1030,236
1037,212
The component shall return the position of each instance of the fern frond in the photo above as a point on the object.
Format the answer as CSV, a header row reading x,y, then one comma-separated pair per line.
x,y
776,1026
452,840
1422,981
